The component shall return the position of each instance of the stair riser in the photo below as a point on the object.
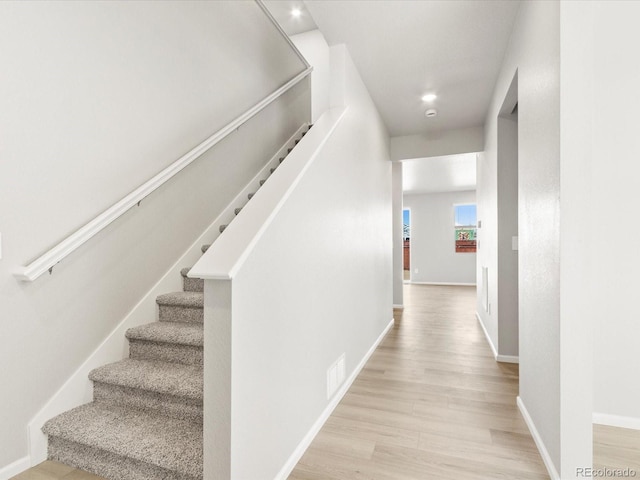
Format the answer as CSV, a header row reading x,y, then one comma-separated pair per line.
x,y
193,284
165,352
169,405
107,464
173,313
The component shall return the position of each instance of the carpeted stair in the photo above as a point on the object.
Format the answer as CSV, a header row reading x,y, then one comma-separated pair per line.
x,y
125,443
145,421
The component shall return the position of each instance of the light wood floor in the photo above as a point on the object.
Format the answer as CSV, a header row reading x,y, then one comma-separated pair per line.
x,y
50,470
431,403
616,448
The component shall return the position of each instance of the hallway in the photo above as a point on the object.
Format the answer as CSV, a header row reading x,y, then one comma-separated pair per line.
x,y
431,403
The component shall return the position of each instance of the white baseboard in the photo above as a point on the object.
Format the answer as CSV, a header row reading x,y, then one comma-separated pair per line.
x,y
546,458
14,468
398,307
78,389
508,358
632,423
498,357
450,284
486,334
288,467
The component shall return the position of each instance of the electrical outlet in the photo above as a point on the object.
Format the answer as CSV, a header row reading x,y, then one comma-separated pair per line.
x,y
415,270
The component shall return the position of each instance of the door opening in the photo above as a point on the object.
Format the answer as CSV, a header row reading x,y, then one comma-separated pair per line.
x,y
507,186
406,243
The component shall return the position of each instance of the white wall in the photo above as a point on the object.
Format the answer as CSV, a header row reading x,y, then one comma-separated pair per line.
x,y
437,144
487,238
101,96
315,49
577,20
433,251
586,359
316,284
613,227
398,243
533,51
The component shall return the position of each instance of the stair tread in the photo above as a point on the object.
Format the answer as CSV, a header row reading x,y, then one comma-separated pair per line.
x,y
181,333
169,443
182,299
185,273
160,377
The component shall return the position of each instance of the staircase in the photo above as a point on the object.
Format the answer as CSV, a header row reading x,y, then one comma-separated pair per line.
x,y
145,421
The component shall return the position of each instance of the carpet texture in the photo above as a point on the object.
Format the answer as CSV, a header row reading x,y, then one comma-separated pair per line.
x,y
191,284
101,438
145,421
181,307
167,342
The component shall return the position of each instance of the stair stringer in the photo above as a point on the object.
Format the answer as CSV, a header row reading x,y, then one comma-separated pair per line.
x,y
78,389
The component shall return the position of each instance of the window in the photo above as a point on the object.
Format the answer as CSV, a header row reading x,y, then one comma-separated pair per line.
x,y
465,220
406,225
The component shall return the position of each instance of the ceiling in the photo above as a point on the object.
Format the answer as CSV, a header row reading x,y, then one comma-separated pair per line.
x,y
439,174
281,11
404,49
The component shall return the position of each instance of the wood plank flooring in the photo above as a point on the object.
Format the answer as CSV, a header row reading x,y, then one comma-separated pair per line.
x,y
51,470
616,448
431,403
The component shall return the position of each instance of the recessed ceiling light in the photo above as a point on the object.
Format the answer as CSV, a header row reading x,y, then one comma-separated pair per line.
x,y
429,97
296,12
432,112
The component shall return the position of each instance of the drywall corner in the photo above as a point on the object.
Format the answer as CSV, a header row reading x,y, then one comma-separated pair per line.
x,y
436,144
337,88
314,48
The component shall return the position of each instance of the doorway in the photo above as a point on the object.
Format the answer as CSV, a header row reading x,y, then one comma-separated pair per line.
x,y
507,190
406,245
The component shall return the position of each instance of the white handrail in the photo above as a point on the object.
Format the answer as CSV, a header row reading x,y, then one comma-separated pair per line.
x,y
227,254
48,260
